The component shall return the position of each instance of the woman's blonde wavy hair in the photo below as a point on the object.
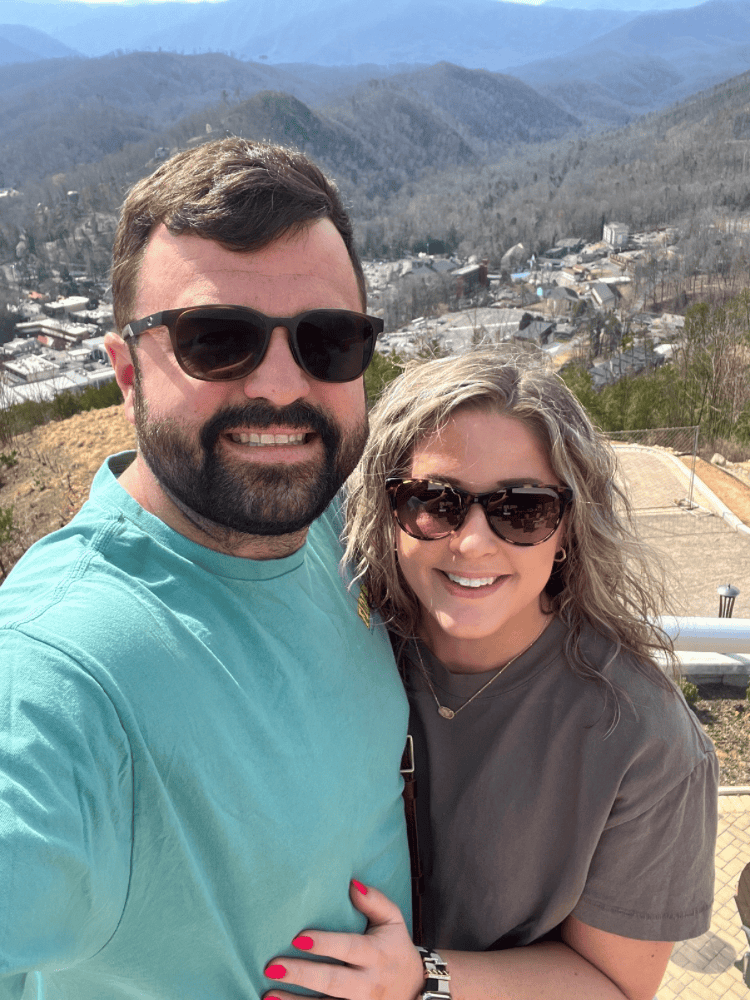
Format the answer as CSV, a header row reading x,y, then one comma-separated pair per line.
x,y
608,581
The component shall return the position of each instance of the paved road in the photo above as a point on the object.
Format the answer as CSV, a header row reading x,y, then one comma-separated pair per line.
x,y
699,550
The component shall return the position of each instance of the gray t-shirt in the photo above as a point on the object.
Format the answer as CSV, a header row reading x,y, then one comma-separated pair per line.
x,y
529,812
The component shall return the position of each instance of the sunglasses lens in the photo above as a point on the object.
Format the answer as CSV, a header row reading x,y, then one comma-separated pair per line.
x,y
522,515
525,515
217,344
335,345
426,510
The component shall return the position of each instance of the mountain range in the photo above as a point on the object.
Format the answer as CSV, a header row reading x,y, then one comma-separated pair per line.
x,y
490,34
654,60
438,154
19,43
386,130
602,66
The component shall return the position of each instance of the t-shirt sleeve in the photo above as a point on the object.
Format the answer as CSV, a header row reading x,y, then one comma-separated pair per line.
x,y
652,878
65,812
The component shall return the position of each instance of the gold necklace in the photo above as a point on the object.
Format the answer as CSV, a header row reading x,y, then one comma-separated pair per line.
x,y
448,713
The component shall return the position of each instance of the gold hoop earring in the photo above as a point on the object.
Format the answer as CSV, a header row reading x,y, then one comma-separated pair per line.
x,y
561,555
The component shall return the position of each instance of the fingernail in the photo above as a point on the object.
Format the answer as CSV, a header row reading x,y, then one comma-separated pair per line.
x,y
275,971
304,942
358,885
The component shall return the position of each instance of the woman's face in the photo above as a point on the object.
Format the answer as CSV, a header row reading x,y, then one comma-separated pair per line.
x,y
480,595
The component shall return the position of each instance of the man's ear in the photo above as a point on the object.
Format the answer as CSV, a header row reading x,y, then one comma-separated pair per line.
x,y
119,356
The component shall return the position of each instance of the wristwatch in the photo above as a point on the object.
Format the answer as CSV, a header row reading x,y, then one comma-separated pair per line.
x,y
437,979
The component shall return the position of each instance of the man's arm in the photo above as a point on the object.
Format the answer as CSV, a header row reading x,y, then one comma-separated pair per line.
x,y
65,811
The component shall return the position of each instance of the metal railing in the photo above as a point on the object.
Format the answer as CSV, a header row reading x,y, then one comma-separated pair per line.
x,y
729,636
718,637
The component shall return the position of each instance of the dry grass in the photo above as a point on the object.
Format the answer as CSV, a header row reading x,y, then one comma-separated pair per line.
x,y
724,712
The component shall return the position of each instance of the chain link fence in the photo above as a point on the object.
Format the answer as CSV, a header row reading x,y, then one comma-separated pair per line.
x,y
655,481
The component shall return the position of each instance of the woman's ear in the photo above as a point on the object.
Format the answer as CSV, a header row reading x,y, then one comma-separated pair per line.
x,y
555,585
121,361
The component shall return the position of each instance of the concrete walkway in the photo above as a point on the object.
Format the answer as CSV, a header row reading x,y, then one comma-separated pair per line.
x,y
703,968
702,547
700,550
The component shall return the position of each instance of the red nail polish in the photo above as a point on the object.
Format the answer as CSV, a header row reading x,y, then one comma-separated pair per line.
x,y
303,942
275,971
358,885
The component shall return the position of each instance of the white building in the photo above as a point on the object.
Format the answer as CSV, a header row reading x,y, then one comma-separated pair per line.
x,y
65,307
31,368
615,234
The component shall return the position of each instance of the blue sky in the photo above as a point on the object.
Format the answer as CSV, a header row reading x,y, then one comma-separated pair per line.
x,y
131,2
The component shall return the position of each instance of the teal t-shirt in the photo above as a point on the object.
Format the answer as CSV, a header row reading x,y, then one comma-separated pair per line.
x,y
197,753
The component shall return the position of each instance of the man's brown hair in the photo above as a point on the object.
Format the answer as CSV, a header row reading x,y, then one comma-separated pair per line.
x,y
239,193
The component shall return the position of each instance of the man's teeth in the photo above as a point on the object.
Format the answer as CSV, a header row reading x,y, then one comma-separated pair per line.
x,y
268,439
483,581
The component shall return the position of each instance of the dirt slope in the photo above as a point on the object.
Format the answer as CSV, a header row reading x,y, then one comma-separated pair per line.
x,y
734,494
53,469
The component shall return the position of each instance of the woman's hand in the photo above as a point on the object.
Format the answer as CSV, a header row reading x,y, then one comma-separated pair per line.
x,y
381,964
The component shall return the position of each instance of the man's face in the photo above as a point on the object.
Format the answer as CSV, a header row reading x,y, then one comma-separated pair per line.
x,y
263,455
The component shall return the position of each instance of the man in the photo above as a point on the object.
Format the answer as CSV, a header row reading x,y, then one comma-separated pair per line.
x,y
199,737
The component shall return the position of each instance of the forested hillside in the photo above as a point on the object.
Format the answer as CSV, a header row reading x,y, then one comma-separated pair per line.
x,y
57,114
70,113
675,165
437,153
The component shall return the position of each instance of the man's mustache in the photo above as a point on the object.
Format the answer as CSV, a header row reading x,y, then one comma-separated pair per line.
x,y
260,414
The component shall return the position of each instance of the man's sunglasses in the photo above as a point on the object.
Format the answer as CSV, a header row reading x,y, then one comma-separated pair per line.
x,y
520,515
218,343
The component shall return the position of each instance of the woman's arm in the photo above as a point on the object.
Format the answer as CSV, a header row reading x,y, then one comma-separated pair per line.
x,y
588,963
383,964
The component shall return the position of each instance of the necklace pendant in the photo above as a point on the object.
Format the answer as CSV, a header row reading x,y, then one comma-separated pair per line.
x,y
447,713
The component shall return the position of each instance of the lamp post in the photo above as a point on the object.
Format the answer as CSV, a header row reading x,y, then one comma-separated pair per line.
x,y
727,594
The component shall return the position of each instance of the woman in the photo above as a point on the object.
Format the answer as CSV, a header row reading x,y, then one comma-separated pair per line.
x,y
567,796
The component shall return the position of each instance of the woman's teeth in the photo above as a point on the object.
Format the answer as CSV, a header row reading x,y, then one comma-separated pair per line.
x,y
463,581
268,439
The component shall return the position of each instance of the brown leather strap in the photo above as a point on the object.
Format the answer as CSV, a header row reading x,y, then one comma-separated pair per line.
x,y
408,771
410,810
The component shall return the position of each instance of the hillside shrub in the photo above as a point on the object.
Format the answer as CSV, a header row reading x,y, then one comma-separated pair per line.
x,y
7,536
382,370
636,402
65,405
23,417
7,527
690,691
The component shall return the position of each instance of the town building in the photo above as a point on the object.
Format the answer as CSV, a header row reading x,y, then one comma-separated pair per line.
x,y
615,234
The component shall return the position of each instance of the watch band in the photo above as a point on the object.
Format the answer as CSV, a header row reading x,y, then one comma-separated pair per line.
x,y
437,979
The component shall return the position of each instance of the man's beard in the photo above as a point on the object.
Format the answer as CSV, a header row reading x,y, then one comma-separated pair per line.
x,y
248,497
